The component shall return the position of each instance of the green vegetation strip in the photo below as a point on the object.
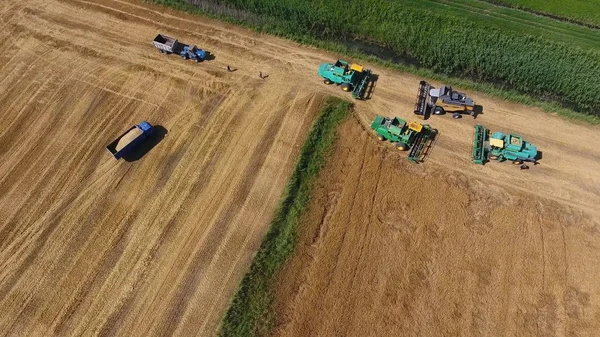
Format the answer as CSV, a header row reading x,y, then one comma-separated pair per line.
x,y
550,75
250,312
585,12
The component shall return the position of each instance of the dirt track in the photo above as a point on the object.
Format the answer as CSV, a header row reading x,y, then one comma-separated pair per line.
x,y
157,246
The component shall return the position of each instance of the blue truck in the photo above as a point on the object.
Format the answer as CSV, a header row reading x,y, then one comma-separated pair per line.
x,y
130,139
168,45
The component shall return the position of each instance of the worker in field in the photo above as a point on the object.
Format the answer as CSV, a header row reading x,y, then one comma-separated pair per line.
x,y
260,75
229,69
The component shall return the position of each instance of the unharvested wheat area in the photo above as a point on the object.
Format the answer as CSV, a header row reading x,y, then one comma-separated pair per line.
x,y
388,248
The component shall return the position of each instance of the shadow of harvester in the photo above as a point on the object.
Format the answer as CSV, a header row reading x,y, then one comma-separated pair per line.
x,y
139,151
478,110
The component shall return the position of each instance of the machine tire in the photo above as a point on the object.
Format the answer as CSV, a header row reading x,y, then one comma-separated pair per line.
x,y
438,111
380,137
197,60
472,113
161,51
327,81
401,146
493,157
456,115
346,87
517,162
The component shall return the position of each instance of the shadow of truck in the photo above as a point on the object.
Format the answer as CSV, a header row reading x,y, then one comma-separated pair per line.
x,y
158,134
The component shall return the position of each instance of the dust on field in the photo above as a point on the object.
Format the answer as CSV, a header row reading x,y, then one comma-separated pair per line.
x,y
389,248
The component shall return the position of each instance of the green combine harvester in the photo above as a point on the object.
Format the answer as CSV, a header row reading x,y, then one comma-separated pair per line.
x,y
501,146
414,136
352,77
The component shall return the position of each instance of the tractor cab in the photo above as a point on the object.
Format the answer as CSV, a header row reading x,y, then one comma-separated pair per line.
x,y
192,52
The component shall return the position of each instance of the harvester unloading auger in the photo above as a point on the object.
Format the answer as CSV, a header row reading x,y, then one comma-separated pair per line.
x,y
414,136
501,146
439,101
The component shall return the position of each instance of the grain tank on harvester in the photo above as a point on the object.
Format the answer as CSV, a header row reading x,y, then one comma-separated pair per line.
x,y
501,146
351,77
413,136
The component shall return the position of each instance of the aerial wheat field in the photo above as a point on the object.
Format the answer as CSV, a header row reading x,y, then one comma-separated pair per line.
x,y
390,249
156,245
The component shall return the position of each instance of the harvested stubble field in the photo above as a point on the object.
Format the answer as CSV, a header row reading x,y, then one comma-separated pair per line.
x,y
157,246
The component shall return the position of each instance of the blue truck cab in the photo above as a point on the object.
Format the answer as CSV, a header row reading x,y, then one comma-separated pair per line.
x,y
130,139
193,53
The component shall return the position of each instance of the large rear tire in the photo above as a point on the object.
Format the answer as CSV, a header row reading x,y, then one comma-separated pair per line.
x,y
401,146
456,115
346,87
438,111
380,137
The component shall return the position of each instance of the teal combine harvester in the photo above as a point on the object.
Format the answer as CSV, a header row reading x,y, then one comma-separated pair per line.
x,y
501,146
352,77
414,136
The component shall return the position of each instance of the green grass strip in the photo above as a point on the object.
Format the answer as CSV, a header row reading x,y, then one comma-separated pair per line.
x,y
250,313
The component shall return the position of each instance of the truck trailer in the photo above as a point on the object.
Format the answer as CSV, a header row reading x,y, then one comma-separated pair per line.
x,y
130,139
